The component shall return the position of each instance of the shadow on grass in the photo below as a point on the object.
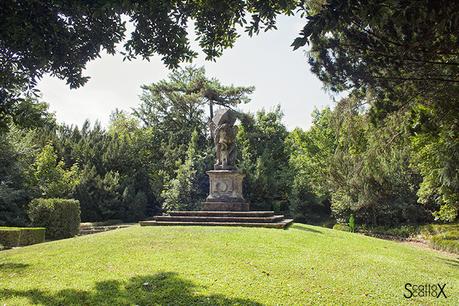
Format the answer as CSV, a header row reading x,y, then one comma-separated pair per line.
x,y
166,288
306,229
451,262
12,267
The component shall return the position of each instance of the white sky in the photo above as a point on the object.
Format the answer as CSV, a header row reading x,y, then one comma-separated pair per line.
x,y
280,76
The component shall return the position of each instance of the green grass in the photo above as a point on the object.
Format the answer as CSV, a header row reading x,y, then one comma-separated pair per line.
x,y
222,265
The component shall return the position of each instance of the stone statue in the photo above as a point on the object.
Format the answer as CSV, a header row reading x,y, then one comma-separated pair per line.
x,y
224,133
225,181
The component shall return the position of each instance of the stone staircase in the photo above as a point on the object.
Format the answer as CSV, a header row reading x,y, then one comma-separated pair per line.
x,y
221,218
88,228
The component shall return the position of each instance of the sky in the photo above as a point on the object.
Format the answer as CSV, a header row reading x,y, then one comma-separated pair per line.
x,y
279,74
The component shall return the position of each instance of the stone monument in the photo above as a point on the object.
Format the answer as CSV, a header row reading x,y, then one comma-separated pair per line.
x,y
225,205
225,192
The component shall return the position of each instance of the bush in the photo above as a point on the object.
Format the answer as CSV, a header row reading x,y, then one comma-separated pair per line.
x,y
342,227
12,203
9,236
446,242
61,217
435,229
416,214
32,235
443,237
403,231
136,207
21,236
352,225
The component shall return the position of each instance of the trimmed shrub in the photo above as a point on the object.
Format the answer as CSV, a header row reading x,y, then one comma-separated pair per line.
x,y
9,236
21,236
31,235
61,217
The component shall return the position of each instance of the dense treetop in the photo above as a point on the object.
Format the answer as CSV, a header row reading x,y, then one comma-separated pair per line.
x,y
60,37
354,44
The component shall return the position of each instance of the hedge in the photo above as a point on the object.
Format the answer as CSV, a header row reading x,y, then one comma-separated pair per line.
x,y
32,235
21,236
61,217
9,237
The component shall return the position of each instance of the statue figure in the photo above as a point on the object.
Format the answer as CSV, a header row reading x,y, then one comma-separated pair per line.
x,y
224,133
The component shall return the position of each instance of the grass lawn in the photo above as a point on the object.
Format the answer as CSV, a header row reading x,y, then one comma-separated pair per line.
x,y
223,265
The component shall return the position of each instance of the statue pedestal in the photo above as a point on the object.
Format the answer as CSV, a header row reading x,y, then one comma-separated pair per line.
x,y
225,191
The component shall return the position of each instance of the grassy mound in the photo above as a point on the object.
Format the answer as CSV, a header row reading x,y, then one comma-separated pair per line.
x,y
222,265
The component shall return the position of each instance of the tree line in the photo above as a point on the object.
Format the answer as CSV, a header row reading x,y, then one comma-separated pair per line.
x,y
154,159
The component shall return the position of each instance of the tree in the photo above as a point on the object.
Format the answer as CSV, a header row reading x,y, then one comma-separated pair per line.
x,y
60,37
28,113
176,107
135,204
19,146
14,193
264,160
117,175
124,126
53,180
436,156
404,57
182,99
408,42
346,165
182,192
410,45
370,173
310,159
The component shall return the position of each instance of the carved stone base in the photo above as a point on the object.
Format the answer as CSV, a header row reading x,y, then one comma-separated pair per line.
x,y
225,206
225,191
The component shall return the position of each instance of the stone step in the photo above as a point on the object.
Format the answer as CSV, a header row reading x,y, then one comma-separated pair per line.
x,y
269,219
225,206
105,228
86,230
89,231
223,213
282,224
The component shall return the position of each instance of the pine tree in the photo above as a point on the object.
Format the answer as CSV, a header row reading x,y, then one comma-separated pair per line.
x,y
182,192
53,180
